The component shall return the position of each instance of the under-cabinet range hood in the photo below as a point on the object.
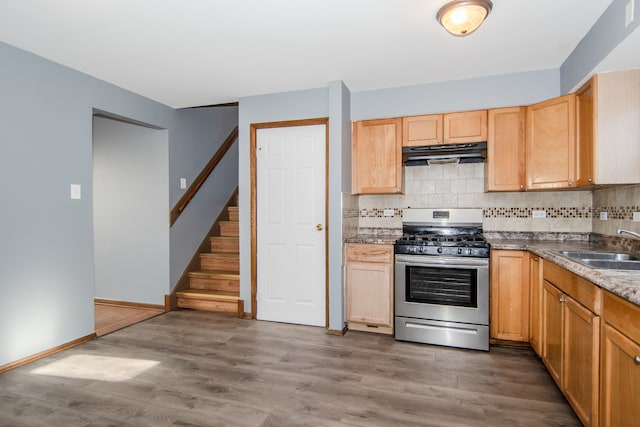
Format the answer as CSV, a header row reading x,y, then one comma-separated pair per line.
x,y
475,152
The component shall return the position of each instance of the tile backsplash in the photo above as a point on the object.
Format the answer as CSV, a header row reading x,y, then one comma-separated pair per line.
x,y
462,186
619,203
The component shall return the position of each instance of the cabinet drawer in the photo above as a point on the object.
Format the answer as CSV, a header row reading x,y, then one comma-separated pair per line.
x,y
581,290
369,252
624,315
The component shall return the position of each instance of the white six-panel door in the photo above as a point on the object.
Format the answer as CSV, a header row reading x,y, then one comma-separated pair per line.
x,y
291,225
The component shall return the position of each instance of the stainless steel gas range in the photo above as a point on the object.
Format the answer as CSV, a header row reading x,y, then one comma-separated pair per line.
x,y
442,279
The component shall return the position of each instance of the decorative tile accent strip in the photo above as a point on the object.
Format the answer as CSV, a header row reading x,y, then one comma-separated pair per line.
x,y
350,213
552,213
555,213
617,212
379,213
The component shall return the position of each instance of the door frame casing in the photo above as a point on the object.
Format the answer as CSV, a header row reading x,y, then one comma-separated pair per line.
x,y
254,205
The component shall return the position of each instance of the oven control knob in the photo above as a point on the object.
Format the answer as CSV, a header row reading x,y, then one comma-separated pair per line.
x,y
469,251
459,251
439,250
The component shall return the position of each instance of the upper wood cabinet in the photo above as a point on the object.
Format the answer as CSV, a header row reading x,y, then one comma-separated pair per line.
x,y
609,129
377,156
509,295
468,126
585,132
505,165
551,144
451,128
422,130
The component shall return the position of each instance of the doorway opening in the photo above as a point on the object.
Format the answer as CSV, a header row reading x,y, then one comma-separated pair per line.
x,y
130,213
289,212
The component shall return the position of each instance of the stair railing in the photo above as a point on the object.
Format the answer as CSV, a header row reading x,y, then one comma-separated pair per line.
x,y
202,177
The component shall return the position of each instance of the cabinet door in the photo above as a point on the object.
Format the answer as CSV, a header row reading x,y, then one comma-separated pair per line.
x,y
509,295
468,126
552,301
422,130
377,156
620,379
505,150
535,303
617,149
586,120
369,288
580,376
551,143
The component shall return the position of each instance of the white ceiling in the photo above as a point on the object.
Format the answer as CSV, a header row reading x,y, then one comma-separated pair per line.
x,y
187,53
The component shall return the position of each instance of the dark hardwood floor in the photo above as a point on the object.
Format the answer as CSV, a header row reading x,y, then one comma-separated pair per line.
x,y
188,368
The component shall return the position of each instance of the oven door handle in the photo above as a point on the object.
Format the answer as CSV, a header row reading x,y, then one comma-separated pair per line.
x,y
449,262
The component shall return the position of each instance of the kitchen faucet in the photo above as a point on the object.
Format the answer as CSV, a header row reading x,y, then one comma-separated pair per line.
x,y
633,233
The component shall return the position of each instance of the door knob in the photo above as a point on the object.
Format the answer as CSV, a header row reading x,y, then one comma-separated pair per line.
x,y
319,227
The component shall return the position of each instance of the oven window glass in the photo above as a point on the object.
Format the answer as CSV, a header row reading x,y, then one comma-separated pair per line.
x,y
442,286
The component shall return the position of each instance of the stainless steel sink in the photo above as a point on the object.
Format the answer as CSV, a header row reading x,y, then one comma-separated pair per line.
x,y
612,264
617,256
604,260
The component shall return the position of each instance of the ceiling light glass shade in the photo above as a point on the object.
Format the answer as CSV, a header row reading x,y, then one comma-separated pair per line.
x,y
463,17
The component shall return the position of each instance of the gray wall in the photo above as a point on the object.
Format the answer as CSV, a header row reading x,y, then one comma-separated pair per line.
x,y
130,201
339,182
46,255
312,103
602,38
472,94
201,133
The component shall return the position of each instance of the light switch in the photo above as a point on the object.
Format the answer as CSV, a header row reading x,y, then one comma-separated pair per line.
x,y
388,212
76,192
628,13
636,217
183,183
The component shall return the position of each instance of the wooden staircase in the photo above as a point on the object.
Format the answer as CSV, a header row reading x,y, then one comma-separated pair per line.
x,y
215,285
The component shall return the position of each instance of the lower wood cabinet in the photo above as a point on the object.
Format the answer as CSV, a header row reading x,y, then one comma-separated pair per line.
x,y
570,338
620,363
580,369
535,303
369,287
509,319
552,300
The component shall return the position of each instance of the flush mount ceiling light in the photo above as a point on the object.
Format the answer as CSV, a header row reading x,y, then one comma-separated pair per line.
x,y
463,17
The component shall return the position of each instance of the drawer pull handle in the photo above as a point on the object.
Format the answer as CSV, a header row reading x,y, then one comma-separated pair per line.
x,y
637,360
562,300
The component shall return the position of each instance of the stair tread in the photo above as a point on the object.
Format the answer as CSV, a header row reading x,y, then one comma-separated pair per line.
x,y
221,254
215,273
224,237
210,295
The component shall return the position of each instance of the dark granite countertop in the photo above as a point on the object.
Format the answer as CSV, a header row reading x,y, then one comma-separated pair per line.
x,y
379,236
379,239
623,283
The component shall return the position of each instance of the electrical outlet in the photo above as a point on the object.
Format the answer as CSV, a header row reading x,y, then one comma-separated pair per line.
x,y
636,217
539,214
388,212
183,183
604,216
628,15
